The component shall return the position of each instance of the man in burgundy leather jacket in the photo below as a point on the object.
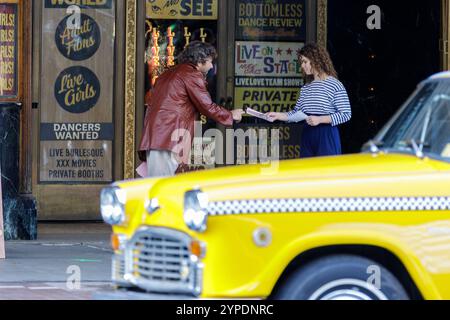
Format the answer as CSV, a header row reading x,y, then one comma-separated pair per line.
x,y
179,96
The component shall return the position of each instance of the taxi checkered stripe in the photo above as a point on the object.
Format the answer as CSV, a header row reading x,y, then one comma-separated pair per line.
x,y
310,205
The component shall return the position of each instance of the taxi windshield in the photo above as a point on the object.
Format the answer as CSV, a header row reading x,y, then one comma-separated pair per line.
x,y
423,126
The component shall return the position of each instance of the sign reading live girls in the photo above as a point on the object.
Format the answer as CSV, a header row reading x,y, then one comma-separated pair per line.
x,y
8,50
267,75
77,130
182,9
282,20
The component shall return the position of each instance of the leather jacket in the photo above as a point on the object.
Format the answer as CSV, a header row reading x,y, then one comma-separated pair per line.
x,y
179,96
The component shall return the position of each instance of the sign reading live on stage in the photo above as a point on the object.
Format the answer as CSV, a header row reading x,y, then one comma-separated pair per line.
x,y
77,129
182,9
269,37
8,50
267,75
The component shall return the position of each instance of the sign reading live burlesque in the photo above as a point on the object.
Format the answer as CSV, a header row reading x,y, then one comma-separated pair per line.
x,y
8,50
77,129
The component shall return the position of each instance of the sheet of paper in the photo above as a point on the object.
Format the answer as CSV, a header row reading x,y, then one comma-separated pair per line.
x,y
257,114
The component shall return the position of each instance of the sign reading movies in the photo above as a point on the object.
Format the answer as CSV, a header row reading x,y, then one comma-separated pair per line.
x,y
282,20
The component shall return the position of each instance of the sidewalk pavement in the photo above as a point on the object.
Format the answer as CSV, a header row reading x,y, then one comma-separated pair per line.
x,y
48,267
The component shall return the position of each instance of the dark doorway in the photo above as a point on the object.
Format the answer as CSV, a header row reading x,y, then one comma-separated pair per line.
x,y
381,68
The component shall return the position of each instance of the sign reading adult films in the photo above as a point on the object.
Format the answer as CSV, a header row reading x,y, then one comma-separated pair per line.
x,y
182,9
77,129
282,20
78,44
267,75
8,50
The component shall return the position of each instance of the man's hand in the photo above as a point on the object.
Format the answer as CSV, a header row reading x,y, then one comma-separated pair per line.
x,y
277,116
237,114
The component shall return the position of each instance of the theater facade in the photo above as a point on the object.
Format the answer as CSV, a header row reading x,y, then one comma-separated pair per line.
x,y
75,75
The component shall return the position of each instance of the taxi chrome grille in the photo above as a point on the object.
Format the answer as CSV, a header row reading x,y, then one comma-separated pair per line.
x,y
159,260
118,269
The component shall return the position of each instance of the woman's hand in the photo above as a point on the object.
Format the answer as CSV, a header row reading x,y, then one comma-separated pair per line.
x,y
277,116
314,121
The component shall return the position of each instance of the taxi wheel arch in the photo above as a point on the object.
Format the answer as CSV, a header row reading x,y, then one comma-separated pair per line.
x,y
380,256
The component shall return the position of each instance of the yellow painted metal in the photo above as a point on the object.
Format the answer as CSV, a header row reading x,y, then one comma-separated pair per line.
x,y
236,267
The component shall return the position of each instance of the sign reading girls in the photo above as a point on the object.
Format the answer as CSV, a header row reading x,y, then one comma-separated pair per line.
x,y
8,50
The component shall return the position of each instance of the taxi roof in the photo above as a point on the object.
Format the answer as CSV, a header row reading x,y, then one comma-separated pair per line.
x,y
440,75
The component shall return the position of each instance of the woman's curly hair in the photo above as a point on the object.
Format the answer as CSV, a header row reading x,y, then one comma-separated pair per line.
x,y
320,60
197,52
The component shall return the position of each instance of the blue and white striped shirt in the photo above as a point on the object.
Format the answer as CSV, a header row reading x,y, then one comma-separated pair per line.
x,y
323,98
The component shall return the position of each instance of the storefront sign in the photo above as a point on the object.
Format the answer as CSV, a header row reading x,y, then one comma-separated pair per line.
x,y
94,4
77,130
282,20
267,59
78,44
8,50
77,89
268,75
182,9
267,99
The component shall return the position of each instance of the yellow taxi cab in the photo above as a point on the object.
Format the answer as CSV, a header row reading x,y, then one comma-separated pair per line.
x,y
368,226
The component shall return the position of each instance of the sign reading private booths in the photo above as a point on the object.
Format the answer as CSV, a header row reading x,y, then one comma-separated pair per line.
x,y
8,50
77,130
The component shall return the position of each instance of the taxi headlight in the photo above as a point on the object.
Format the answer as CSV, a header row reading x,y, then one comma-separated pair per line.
x,y
195,210
112,205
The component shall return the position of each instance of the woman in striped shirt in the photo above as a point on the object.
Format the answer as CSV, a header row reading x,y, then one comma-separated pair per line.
x,y
324,101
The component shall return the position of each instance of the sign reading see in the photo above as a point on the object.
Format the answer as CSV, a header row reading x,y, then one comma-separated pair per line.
x,y
182,9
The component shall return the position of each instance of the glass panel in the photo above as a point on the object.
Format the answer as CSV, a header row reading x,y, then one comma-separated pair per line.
x,y
426,121
77,79
170,27
267,73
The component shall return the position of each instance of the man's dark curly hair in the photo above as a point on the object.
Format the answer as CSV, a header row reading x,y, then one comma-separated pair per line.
x,y
197,52
320,60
